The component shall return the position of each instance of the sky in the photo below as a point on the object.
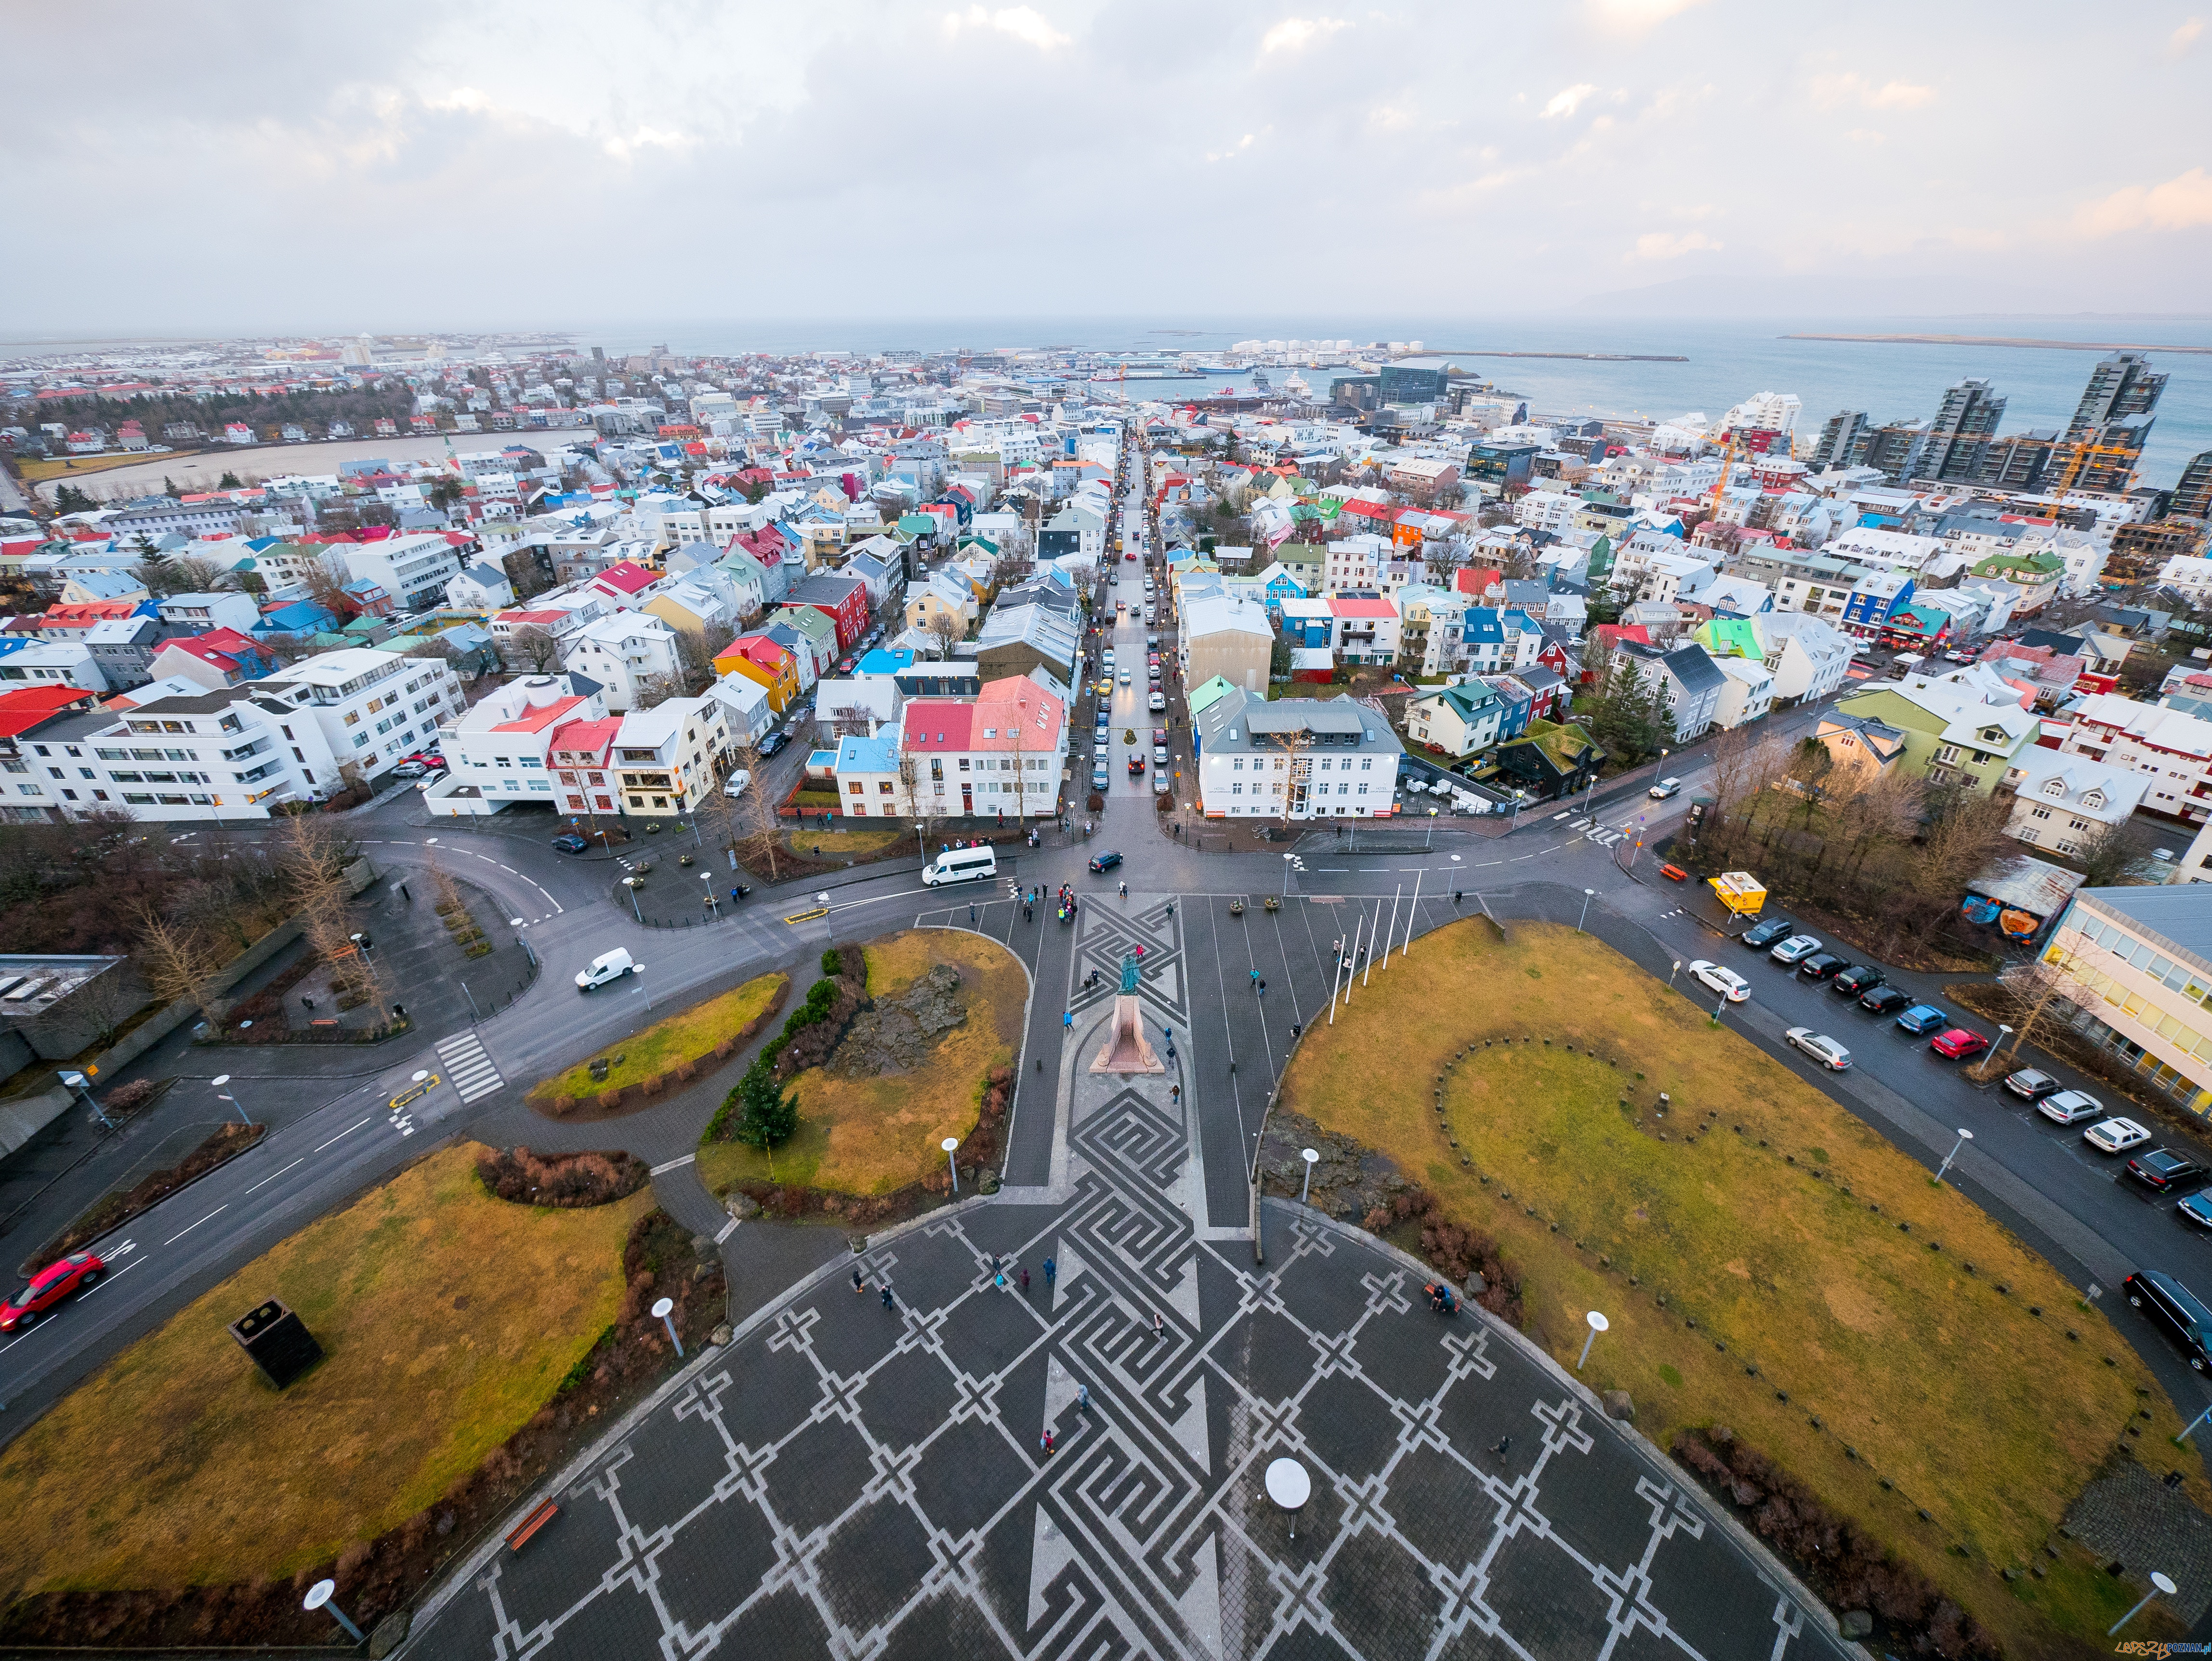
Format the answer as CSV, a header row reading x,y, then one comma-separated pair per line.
x,y
256,168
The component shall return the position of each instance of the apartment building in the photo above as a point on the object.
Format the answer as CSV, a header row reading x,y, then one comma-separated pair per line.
x,y
623,652
1004,753
413,569
2172,750
2134,965
496,751
1333,759
667,759
372,708
2066,802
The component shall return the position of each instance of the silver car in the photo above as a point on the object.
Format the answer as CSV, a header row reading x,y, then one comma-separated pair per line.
x,y
1795,949
1820,1047
2070,1107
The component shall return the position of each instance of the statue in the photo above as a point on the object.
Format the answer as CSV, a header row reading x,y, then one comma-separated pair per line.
x,y
1128,971
1125,1049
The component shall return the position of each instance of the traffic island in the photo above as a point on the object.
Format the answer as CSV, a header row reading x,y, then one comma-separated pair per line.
x,y
879,1089
1764,1260
471,1346
646,1067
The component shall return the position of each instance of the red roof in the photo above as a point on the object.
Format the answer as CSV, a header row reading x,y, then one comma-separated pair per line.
x,y
1469,580
587,738
1613,633
939,724
1344,606
225,640
537,720
518,619
20,711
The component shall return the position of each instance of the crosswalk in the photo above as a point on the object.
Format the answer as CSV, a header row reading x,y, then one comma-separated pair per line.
x,y
468,1065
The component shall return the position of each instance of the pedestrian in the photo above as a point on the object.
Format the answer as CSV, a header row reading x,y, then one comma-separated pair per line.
x,y
1263,989
1170,908
1254,975
998,1280
1027,915
1067,1018
1083,1400
1504,1443
1051,1271
857,1286
1125,890
888,1301
307,1004
1295,1030
1455,896
1044,1442
1159,1327
1168,1032
971,912
1025,1282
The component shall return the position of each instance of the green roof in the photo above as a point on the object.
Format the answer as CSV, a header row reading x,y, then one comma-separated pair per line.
x,y
1731,637
1563,741
1204,697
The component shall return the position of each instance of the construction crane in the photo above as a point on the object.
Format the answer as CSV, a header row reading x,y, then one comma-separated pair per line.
x,y
1728,461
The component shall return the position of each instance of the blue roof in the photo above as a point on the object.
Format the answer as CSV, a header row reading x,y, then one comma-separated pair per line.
x,y
885,660
859,754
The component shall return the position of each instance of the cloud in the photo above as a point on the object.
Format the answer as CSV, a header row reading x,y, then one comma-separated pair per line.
x,y
1568,100
2183,203
1673,245
1833,91
1234,150
1297,34
1022,22
2185,37
647,138
1636,17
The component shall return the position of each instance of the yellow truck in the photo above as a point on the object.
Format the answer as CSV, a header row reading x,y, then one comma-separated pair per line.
x,y
1739,891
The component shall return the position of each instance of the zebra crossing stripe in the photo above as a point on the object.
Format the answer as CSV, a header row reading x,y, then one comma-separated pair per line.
x,y
470,1067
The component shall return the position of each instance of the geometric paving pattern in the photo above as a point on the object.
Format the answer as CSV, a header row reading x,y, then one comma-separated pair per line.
x,y
850,1480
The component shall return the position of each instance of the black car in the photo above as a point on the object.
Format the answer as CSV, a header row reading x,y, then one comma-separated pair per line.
x,y
771,743
1104,862
2163,1170
570,843
1864,978
1763,934
2031,1086
1883,999
1821,965
2175,1308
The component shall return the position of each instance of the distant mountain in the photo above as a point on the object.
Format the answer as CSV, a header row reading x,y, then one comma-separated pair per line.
x,y
1785,297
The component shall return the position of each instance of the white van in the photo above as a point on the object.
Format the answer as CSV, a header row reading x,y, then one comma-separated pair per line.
x,y
607,966
962,865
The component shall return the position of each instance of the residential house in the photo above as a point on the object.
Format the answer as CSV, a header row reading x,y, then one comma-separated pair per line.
x,y
124,649
50,662
1016,639
631,654
1325,758
498,751
196,614
1458,720
1748,695
372,708
773,666
123,585
2172,749
1690,681
941,594
843,599
2066,802
1550,760
481,587
748,715
1952,735
413,571
1862,744
665,758
221,657
1003,753
34,763
1230,638
1367,626
1810,657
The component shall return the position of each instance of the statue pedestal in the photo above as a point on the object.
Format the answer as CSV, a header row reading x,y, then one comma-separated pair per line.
x,y
1125,1049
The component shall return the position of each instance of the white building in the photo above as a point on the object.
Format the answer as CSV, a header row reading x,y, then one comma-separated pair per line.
x,y
481,587
52,663
374,709
2173,750
1748,695
413,569
496,751
2188,577
237,752
666,758
622,651
1809,657
1333,759
2061,801
198,613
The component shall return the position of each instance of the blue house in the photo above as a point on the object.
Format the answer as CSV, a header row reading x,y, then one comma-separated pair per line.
x,y
1520,702
302,617
1875,598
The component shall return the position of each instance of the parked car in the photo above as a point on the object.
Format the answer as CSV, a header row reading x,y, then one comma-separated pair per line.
x,y
2070,1107
1959,1043
1820,1047
771,743
578,841
2174,1307
1104,862
1765,932
1923,1017
607,966
1159,735
410,770
1158,700
2115,1135
429,758
2162,1170
735,784
2198,1207
78,1272
569,842
1883,999
1726,982
1795,949
1159,755
1859,977
2031,1086
1821,965
1665,789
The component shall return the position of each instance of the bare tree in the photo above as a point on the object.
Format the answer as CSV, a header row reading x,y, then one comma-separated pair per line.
x,y
921,808
2040,995
532,648
179,965
848,719
949,628
759,810
325,578
315,858
1290,748
2109,855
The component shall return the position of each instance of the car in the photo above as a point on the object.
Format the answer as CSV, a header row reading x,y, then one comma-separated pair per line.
x,y
735,785
1099,780
1821,965
2162,1170
1106,657
607,966
1665,789
2070,1107
1125,677
1159,755
1158,702
845,668
1958,1043
1104,689
429,758
410,770
2198,1207
1152,642
2030,1086
78,1272
1820,1047
1883,999
1136,766
2115,1135
1923,1017
1726,982
1105,861
1795,949
1159,735
2174,1307
1763,934
1859,977
771,743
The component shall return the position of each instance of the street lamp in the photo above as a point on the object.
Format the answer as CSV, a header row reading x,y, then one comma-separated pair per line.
x,y
1597,1323
218,1082
951,1145
665,1307
2158,1583
318,1597
82,1086
1579,921
1965,1136
638,969
1312,1157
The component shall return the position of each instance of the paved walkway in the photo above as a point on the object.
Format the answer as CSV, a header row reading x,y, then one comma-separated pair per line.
x,y
851,1479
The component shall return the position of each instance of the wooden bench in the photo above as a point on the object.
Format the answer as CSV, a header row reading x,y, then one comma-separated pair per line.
x,y
1673,873
518,1536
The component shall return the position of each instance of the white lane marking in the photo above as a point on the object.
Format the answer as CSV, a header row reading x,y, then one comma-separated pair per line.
x,y
469,1067
671,1164
125,1269
274,1175
509,869
728,1229
173,1238
343,1134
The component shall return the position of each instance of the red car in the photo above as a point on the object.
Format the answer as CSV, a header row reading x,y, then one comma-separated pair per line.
x,y
1959,1043
429,758
78,1272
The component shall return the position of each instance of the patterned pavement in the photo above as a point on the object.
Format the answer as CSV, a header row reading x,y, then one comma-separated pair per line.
x,y
853,1481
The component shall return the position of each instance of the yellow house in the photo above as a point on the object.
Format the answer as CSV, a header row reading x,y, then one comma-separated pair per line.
x,y
758,658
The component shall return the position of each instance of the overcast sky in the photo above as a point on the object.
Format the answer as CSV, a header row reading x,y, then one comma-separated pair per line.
x,y
263,168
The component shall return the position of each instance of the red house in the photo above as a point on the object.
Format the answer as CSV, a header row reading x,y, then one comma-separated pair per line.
x,y
845,600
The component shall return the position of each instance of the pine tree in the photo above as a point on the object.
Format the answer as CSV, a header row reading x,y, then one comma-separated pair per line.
x,y
770,1114
70,500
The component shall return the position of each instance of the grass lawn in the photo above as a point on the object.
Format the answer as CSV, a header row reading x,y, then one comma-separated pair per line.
x,y
684,1035
872,1136
1968,1404
44,473
447,1318
843,844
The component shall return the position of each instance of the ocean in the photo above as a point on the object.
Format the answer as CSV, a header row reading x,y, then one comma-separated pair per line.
x,y
1726,361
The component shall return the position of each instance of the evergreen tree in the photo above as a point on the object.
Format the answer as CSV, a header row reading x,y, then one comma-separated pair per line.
x,y
169,486
70,500
229,481
768,1113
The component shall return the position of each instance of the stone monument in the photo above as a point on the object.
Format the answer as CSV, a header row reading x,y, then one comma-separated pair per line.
x,y
1125,1049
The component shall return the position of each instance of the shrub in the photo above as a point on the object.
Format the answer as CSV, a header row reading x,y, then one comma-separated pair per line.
x,y
832,964
130,1097
561,1179
610,1099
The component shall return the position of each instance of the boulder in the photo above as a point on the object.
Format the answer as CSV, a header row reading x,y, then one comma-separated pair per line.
x,y
1475,1285
390,1633
722,1334
741,1204
1618,1406
1855,1624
